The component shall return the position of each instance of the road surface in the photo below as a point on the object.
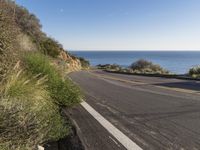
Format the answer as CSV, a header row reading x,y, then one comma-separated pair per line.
x,y
154,113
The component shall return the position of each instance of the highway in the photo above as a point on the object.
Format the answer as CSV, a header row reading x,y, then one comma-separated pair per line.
x,y
153,113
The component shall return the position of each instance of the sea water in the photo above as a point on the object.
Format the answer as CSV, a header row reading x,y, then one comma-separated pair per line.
x,y
175,61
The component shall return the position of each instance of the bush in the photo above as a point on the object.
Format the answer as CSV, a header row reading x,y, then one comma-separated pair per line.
x,y
195,71
50,47
27,22
28,115
84,63
144,66
8,38
109,67
64,92
28,112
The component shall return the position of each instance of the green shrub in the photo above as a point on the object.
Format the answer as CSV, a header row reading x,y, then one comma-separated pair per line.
x,y
28,114
28,111
195,72
64,92
50,47
144,66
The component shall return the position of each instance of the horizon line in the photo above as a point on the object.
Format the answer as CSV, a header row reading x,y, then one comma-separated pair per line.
x,y
139,50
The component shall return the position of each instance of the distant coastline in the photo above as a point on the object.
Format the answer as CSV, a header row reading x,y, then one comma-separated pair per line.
x,y
178,62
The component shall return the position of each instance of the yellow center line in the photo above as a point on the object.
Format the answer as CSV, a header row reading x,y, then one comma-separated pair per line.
x,y
142,83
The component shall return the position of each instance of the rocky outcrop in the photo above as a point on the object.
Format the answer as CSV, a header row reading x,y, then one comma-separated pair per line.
x,y
71,64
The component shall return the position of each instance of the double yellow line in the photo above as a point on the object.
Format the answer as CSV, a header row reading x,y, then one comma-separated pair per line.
x,y
142,83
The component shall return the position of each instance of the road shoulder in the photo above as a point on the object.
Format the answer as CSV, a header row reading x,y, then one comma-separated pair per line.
x,y
91,133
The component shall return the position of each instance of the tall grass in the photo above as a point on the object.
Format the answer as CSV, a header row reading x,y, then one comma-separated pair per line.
x,y
63,91
28,114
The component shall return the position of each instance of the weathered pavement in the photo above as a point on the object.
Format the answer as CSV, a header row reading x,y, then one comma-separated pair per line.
x,y
155,113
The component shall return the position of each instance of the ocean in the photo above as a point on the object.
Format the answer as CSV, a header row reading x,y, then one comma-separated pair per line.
x,y
178,62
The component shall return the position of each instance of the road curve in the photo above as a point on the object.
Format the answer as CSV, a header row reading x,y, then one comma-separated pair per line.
x,y
149,111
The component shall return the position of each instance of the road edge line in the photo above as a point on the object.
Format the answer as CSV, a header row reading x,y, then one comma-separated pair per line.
x,y
121,137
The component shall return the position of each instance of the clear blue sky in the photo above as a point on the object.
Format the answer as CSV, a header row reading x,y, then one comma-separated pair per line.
x,y
120,24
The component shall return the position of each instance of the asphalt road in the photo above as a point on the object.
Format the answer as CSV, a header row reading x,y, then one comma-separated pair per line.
x,y
155,113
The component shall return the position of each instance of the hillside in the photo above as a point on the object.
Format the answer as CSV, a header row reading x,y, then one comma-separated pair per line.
x,y
34,86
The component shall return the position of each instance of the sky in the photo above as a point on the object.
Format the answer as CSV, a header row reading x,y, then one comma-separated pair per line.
x,y
120,24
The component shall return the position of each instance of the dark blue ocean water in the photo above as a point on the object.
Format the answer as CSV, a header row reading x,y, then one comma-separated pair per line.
x,y
177,61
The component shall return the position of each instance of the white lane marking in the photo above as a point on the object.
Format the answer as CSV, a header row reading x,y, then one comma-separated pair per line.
x,y
121,137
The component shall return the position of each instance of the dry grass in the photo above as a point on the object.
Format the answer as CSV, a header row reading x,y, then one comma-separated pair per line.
x,y
8,43
28,115
63,91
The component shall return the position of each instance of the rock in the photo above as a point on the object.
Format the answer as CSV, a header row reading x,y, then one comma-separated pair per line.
x,y
71,64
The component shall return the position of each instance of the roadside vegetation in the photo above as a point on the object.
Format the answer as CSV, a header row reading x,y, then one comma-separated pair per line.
x,y
33,89
50,47
113,67
139,67
146,67
28,114
195,72
62,90
84,63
